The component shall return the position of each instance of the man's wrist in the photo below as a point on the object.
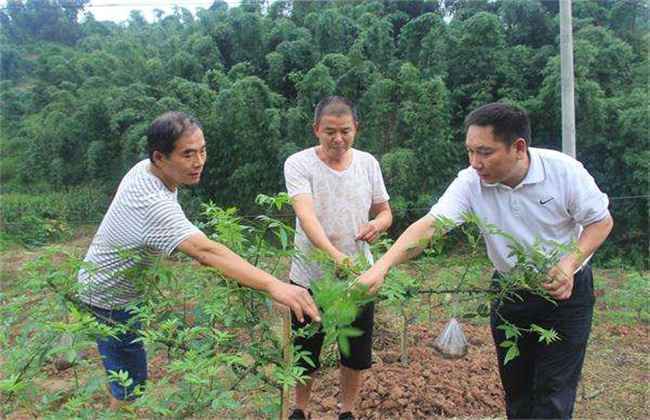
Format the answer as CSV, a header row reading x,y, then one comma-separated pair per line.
x,y
575,260
382,267
270,283
338,256
379,226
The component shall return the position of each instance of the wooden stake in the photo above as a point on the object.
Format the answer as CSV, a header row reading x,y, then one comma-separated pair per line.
x,y
286,351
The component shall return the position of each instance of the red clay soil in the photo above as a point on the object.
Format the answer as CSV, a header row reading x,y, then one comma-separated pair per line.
x,y
429,386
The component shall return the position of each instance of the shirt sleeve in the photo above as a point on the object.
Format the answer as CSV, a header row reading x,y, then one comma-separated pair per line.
x,y
379,192
166,226
455,202
587,204
296,177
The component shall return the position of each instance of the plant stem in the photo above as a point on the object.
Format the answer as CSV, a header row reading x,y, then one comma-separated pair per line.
x,y
403,338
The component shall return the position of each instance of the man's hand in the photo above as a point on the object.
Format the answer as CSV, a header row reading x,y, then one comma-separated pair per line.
x,y
341,260
373,278
368,232
560,285
343,263
561,276
296,298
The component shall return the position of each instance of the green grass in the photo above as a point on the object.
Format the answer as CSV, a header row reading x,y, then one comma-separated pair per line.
x,y
626,298
38,219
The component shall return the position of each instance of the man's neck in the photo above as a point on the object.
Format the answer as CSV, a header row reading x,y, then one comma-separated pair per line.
x,y
338,163
155,171
523,166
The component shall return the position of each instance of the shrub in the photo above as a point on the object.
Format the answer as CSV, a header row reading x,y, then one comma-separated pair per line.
x,y
37,219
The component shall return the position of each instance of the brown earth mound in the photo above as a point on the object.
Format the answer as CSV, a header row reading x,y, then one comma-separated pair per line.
x,y
428,386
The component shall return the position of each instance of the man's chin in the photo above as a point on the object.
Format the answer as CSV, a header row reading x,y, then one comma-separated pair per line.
x,y
338,153
488,180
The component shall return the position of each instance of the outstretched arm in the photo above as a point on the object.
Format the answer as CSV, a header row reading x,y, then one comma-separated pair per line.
x,y
409,245
213,254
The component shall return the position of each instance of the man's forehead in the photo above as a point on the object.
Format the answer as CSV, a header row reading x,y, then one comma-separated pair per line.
x,y
345,120
193,146
191,141
481,136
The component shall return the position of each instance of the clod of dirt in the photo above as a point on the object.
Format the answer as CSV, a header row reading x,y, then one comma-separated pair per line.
x,y
328,403
62,364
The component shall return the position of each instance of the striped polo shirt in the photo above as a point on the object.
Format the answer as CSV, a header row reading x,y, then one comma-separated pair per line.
x,y
144,221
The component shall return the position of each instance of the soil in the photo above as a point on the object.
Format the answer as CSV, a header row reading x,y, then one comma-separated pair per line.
x,y
614,383
429,386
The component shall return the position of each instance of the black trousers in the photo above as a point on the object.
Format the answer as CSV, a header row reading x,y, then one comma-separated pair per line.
x,y
360,357
541,382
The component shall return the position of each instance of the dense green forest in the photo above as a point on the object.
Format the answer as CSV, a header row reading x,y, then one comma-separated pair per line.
x,y
77,94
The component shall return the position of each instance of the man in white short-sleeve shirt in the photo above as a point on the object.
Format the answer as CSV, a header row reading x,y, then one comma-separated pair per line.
x,y
531,194
334,189
145,220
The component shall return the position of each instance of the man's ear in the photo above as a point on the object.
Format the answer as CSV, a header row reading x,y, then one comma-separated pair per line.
x,y
157,156
520,145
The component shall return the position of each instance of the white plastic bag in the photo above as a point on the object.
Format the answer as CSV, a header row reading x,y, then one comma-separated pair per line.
x,y
451,343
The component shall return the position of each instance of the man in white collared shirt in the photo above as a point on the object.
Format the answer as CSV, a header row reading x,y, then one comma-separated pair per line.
x,y
531,194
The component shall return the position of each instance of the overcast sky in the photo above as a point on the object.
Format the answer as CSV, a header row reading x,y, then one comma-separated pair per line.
x,y
118,10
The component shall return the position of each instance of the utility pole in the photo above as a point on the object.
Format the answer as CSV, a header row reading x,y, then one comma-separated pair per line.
x,y
566,66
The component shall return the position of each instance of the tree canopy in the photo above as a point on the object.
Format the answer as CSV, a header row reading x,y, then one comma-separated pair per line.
x,y
77,94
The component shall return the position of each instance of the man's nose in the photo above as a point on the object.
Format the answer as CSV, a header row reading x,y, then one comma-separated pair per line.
x,y
474,161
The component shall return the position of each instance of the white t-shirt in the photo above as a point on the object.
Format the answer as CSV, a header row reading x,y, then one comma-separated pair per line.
x,y
342,201
143,221
554,201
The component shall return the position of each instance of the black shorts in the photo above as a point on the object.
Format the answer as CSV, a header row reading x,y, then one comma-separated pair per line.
x,y
360,356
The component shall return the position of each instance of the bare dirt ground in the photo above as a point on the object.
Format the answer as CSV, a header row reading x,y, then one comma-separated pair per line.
x,y
615,379
429,386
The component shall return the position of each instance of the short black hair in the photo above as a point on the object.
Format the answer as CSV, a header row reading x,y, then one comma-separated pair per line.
x,y
166,129
507,121
337,106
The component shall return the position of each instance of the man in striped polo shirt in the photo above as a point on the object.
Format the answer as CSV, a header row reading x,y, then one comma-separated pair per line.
x,y
145,220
